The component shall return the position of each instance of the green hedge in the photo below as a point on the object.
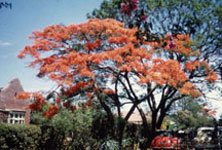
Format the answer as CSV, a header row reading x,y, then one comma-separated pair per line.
x,y
30,137
19,137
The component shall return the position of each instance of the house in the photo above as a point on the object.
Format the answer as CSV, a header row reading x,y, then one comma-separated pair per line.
x,y
136,117
13,110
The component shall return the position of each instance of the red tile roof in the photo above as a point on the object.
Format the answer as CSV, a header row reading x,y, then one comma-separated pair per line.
x,y
7,97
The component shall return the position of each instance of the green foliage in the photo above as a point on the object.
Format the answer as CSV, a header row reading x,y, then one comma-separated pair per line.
x,y
77,130
188,119
19,137
132,135
110,145
32,137
189,113
101,128
82,126
54,130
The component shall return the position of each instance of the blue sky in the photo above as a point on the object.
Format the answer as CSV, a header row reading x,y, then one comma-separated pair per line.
x,y
18,23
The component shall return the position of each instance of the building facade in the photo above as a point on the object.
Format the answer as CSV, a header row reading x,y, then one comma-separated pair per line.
x,y
13,110
136,117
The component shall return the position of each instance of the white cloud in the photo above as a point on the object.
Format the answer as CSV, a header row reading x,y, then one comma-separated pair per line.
x,y
2,43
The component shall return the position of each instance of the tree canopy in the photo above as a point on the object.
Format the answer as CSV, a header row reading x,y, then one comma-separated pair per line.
x,y
201,19
101,60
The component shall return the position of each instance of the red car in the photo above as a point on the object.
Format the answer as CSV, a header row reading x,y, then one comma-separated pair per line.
x,y
165,142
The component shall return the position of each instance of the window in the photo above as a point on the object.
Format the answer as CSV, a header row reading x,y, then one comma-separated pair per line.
x,y
16,117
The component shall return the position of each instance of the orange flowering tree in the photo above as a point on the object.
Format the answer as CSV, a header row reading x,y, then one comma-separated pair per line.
x,y
101,60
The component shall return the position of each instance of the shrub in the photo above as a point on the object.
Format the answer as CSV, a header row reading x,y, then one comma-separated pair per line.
x,y
19,137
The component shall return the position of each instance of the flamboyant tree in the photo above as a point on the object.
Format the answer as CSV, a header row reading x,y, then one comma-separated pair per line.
x,y
201,19
103,61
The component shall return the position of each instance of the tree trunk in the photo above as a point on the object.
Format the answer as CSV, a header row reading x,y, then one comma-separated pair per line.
x,y
153,123
160,119
149,132
108,112
146,131
121,127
